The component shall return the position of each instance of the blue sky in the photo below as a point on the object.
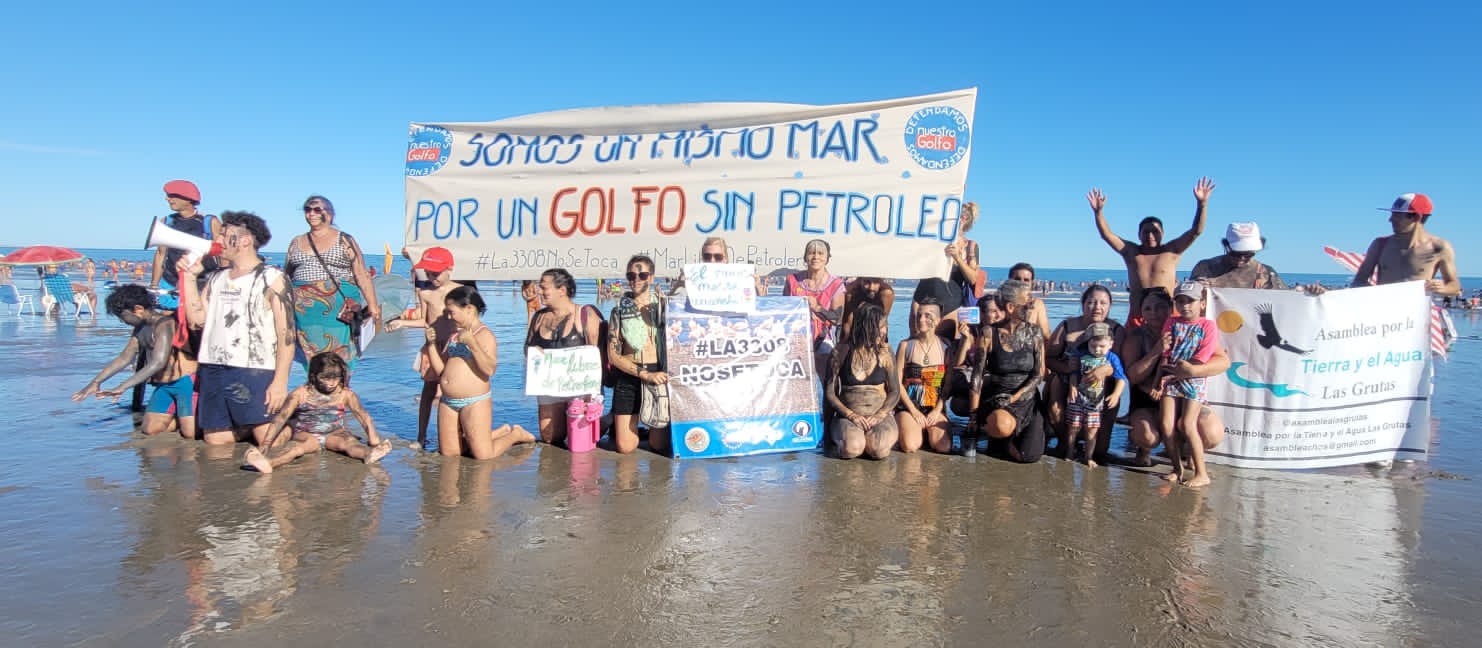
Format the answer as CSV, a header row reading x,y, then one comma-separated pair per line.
x,y
1307,118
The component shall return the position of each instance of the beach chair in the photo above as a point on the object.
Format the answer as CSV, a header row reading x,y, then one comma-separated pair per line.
x,y
59,293
15,300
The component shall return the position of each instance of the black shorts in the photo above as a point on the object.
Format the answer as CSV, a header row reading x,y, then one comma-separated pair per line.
x,y
232,397
940,291
626,396
1141,400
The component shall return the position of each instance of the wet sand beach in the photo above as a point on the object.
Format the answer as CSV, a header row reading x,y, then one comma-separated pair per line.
x,y
113,539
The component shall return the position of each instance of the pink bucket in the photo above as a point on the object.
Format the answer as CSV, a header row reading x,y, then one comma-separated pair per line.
x,y
583,424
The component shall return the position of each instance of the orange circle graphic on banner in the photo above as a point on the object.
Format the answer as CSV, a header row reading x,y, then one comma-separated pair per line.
x,y
1229,321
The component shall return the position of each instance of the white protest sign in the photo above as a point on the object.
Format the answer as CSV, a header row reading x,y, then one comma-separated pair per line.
x,y
583,190
1340,379
720,287
570,372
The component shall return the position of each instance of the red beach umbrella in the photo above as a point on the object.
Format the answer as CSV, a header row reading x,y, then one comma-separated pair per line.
x,y
40,255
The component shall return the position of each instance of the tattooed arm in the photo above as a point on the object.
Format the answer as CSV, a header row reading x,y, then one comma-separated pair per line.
x,y
281,303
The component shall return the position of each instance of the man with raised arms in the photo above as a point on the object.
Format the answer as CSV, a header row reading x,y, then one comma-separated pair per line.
x,y
1150,262
1411,253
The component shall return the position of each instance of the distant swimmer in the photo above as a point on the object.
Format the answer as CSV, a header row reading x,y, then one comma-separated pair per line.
x,y
1411,253
1150,262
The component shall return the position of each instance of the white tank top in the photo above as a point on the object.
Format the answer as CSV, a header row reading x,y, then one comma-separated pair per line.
x,y
239,329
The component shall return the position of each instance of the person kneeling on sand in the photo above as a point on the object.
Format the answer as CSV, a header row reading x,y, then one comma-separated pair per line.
x,y
1141,355
466,363
862,389
316,412
170,370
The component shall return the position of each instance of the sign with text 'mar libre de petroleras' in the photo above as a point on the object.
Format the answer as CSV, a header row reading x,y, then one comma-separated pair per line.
x,y
585,189
1323,381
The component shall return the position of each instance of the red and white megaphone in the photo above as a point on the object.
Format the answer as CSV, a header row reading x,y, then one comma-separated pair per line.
x,y
195,247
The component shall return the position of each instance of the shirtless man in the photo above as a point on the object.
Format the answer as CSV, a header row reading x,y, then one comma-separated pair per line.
x,y
1149,261
437,262
1411,253
865,290
169,369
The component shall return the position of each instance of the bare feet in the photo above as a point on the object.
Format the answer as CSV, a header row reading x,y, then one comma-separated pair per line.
x,y
1091,463
258,460
521,435
1198,480
1175,476
378,451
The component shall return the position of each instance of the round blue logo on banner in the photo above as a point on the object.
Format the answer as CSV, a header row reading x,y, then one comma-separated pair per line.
x,y
937,137
428,150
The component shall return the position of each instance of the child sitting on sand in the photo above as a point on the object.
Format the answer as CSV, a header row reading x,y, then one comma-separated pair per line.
x,y
1088,396
316,412
1187,336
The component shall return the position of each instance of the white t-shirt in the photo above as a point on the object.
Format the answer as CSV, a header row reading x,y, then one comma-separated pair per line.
x,y
239,330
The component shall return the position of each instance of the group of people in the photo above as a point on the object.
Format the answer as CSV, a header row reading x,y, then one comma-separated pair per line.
x,y
989,356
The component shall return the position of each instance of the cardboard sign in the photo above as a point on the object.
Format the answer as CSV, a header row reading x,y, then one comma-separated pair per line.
x,y
720,287
570,372
742,384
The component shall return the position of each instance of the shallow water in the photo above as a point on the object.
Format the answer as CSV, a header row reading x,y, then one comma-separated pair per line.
x,y
114,539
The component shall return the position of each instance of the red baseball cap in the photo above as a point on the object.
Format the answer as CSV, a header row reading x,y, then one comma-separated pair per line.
x,y
183,188
1411,203
436,259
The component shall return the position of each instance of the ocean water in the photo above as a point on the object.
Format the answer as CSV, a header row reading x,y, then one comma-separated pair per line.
x,y
117,540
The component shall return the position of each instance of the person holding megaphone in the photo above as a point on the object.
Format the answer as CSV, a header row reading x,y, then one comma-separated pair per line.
x,y
184,199
245,314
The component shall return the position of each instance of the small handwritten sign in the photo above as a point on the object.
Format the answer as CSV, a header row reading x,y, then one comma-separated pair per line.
x,y
575,371
721,287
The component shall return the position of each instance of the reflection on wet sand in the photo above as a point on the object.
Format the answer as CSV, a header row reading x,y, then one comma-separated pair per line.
x,y
114,540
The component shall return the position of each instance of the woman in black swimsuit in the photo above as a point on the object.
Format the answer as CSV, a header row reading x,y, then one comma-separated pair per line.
x,y
1012,365
862,389
560,325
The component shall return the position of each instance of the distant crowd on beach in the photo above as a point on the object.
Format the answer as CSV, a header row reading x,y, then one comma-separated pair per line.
x,y
220,362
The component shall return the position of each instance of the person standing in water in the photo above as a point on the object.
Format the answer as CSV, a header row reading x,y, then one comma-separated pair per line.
x,y
437,264
1150,262
1411,253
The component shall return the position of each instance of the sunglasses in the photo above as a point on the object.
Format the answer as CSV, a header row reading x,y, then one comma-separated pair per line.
x,y
639,276
314,210
712,257
1243,255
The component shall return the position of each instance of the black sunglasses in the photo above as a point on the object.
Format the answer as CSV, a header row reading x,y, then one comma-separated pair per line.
x,y
1243,255
712,257
639,276
315,210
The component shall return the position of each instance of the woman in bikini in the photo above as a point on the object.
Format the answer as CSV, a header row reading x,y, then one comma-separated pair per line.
x,y
862,389
316,412
466,363
923,380
562,324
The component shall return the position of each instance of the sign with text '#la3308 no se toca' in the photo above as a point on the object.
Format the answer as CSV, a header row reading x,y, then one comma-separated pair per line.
x,y
585,189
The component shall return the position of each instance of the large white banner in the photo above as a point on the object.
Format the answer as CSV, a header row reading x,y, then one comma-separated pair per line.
x,y
1340,379
585,189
